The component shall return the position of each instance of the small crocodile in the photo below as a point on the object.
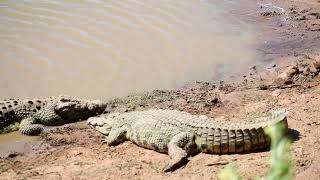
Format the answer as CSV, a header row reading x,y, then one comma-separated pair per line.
x,y
181,134
34,115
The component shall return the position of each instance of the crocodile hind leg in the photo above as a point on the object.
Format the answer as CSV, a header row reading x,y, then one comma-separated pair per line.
x,y
178,150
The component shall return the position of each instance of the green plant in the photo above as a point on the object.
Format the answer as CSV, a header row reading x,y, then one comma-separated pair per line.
x,y
229,173
280,162
43,134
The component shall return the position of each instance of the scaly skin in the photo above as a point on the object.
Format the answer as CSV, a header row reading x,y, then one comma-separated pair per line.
x,y
181,134
34,115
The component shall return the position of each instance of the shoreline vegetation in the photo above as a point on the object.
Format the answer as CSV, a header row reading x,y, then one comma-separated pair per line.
x,y
289,78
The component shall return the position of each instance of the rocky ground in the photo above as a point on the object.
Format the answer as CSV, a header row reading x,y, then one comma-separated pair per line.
x,y
289,78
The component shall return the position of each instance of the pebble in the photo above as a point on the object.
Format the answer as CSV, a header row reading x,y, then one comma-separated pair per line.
x,y
276,93
316,65
286,77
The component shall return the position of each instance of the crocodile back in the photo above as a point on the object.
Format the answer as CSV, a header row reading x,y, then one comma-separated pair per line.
x,y
212,136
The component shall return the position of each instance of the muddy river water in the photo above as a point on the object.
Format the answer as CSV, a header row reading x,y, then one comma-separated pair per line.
x,y
16,142
107,48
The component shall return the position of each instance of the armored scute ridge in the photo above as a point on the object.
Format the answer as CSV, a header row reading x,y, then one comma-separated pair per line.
x,y
35,114
180,134
14,110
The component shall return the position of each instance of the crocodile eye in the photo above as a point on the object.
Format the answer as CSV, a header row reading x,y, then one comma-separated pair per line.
x,y
10,106
4,107
30,102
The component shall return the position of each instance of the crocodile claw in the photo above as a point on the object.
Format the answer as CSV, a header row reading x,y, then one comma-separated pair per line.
x,y
167,168
101,124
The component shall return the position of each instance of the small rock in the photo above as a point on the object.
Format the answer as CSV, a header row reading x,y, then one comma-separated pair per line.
x,y
271,66
276,93
316,15
316,65
263,86
302,18
285,78
254,68
215,100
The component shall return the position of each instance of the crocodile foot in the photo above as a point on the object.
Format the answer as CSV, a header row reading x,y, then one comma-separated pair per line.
x,y
100,124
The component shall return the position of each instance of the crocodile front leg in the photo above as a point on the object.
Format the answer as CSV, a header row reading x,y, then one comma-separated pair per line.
x,y
117,135
101,124
179,148
27,127
36,124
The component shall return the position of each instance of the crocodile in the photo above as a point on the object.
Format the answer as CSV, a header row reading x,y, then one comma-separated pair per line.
x,y
181,134
36,115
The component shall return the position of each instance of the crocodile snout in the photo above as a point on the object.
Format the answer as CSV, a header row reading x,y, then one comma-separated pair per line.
x,y
97,104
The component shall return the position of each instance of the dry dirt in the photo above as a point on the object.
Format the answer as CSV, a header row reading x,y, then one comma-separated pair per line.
x,y
289,79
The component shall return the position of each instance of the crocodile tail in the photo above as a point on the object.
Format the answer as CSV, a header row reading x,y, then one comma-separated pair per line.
x,y
252,136
278,116
239,137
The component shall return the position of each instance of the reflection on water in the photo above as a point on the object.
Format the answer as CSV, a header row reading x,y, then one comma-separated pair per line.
x,y
16,137
106,48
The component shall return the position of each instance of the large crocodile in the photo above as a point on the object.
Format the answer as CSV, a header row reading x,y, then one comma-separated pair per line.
x,y
181,134
34,115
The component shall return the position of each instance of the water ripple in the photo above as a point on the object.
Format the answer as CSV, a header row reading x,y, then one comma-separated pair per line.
x,y
110,47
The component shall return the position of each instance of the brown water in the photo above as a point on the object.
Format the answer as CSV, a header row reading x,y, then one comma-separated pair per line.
x,y
15,137
101,49
16,142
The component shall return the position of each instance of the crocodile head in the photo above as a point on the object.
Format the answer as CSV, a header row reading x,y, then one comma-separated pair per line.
x,y
103,124
70,108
